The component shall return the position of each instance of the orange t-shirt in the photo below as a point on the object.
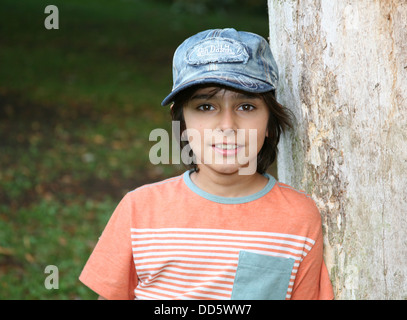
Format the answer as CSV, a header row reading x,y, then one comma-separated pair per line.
x,y
172,240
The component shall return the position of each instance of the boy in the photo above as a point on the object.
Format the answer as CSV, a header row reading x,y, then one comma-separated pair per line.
x,y
218,231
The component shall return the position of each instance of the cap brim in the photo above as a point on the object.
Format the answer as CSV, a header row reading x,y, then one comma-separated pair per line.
x,y
239,82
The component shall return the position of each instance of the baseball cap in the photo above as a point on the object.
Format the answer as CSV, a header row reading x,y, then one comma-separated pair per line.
x,y
237,59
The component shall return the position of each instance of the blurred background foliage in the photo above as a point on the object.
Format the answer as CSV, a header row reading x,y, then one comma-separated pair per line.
x,y
77,106
224,6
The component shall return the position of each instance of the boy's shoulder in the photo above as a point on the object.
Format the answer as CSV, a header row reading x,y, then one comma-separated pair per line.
x,y
299,201
164,186
290,191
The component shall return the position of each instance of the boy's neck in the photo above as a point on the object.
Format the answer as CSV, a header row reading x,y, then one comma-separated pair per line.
x,y
228,185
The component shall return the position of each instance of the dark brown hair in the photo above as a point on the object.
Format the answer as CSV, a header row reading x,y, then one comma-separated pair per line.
x,y
280,120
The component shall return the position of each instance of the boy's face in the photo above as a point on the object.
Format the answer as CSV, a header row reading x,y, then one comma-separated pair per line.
x,y
226,129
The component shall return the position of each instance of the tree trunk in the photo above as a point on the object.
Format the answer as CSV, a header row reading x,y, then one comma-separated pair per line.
x,y
343,72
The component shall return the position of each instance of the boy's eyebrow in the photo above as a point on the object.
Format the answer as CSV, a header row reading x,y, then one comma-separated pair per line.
x,y
247,95
202,96
238,95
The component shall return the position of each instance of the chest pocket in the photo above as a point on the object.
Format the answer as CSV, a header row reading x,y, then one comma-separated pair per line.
x,y
261,277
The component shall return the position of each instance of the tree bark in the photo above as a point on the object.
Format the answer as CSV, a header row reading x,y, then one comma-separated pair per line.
x,y
343,72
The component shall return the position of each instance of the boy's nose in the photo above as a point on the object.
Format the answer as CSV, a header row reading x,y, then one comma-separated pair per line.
x,y
227,123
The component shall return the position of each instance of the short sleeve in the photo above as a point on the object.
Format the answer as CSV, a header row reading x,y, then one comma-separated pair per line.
x,y
110,270
312,281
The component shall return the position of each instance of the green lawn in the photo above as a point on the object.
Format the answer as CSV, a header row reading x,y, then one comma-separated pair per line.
x,y
76,108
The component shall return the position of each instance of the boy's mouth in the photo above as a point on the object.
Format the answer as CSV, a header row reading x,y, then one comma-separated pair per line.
x,y
226,149
225,146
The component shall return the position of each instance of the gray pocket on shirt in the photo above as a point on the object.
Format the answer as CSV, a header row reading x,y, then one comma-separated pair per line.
x,y
261,277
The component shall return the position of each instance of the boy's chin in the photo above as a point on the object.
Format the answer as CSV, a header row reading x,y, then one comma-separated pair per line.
x,y
227,169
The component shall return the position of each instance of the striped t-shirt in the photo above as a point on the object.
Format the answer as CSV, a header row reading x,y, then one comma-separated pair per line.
x,y
172,240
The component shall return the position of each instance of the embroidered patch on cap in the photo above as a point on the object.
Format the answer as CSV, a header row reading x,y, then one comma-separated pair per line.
x,y
217,50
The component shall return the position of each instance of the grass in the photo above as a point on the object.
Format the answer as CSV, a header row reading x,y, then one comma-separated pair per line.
x,y
76,108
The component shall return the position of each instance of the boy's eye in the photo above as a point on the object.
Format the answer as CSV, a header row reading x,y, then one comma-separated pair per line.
x,y
246,107
205,107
